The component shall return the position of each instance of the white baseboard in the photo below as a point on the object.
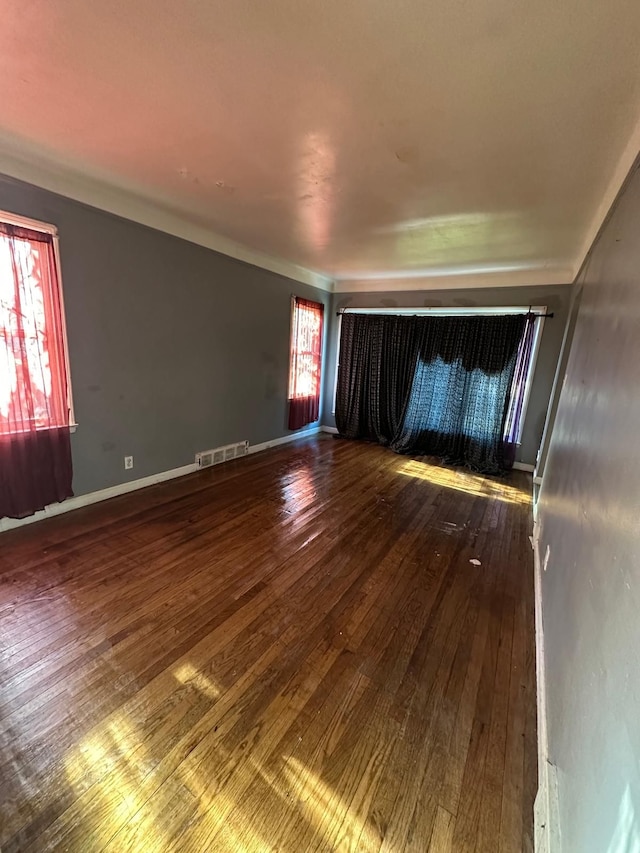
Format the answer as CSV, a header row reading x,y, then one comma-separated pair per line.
x,y
545,810
94,497
329,429
284,439
133,485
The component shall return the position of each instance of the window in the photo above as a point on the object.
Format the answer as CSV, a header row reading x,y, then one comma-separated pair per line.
x,y
34,371
525,361
35,399
523,378
305,362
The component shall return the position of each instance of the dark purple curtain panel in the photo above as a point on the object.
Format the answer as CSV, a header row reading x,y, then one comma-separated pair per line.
x,y
429,385
35,471
303,411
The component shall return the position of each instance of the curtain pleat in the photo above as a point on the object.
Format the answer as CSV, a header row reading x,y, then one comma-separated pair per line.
x,y
429,385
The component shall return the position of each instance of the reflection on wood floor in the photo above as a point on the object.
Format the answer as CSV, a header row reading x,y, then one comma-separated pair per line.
x,y
290,652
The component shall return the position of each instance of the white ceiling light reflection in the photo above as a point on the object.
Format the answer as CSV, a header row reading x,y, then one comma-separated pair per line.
x,y
438,272
453,220
462,238
316,170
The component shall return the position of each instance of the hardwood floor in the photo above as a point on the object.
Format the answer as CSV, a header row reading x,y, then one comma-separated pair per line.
x,y
290,652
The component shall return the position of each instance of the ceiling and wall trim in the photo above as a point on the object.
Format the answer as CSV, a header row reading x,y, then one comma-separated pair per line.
x,y
441,280
618,179
43,171
59,178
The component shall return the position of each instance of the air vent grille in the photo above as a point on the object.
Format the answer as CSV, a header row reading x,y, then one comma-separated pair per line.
x,y
207,458
204,460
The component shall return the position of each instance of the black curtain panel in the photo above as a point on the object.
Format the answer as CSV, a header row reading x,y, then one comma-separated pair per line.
x,y
429,385
378,359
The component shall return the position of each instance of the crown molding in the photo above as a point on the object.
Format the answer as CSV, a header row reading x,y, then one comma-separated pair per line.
x,y
32,166
617,181
506,277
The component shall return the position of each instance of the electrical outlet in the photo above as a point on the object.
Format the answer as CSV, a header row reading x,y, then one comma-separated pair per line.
x,y
128,462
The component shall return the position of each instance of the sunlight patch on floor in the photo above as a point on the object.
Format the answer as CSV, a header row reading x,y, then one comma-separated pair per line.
x,y
327,811
223,821
464,481
188,674
111,754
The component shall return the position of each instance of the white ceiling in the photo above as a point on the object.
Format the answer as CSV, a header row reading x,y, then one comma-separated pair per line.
x,y
382,143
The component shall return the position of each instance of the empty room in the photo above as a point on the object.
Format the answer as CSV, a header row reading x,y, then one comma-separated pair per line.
x,y
319,368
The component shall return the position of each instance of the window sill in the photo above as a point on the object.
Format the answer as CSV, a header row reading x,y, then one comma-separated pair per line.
x,y
72,428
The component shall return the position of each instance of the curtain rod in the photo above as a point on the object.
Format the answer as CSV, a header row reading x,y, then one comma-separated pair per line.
x,y
536,314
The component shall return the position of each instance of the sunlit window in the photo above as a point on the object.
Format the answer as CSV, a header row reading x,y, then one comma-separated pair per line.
x,y
306,349
305,364
34,378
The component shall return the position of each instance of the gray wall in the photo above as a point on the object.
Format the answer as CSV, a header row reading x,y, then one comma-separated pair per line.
x,y
174,348
556,298
589,514
561,370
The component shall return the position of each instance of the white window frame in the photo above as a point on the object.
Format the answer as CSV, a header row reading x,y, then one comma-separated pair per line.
x,y
539,310
335,378
48,228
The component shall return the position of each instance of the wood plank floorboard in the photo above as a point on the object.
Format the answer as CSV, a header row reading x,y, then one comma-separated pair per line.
x,y
291,652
